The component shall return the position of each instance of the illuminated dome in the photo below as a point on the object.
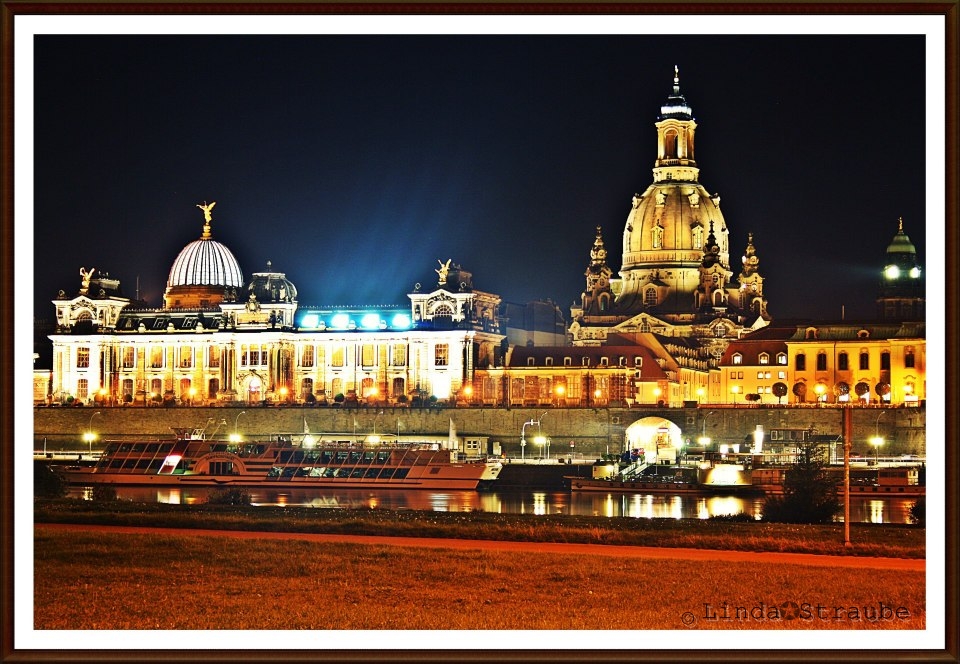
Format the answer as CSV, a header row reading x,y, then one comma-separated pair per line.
x,y
272,286
202,272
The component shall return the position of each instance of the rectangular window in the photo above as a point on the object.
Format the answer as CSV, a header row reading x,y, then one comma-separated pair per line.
x,y
821,361
368,355
760,374
885,361
83,357
782,375
83,388
908,359
126,389
306,356
129,357
399,355
801,362
336,357
733,374
186,357
156,357
864,361
441,355
213,357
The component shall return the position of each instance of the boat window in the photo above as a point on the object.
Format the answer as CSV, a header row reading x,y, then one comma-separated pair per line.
x,y
386,474
401,473
435,470
143,464
371,472
357,473
116,463
139,447
342,457
383,457
124,447
355,457
129,464
152,448
156,464
368,456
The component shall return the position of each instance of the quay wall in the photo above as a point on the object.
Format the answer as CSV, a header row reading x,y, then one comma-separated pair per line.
x,y
593,431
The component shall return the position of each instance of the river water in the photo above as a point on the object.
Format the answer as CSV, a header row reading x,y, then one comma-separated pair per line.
x,y
613,505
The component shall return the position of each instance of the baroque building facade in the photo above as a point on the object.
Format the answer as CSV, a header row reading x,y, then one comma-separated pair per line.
x,y
674,328
219,338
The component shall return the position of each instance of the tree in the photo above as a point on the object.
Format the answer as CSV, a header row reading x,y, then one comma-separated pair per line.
x,y
780,391
800,391
809,492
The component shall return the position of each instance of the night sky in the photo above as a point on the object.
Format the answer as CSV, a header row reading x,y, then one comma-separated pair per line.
x,y
354,163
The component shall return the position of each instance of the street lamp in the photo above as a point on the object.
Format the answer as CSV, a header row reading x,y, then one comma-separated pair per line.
x,y
235,437
704,441
700,394
193,393
821,390
90,436
656,395
877,441
736,390
560,390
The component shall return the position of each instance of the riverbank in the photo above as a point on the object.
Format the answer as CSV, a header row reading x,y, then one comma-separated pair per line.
x,y
879,540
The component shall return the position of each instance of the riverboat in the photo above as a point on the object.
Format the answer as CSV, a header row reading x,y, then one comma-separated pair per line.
x,y
328,460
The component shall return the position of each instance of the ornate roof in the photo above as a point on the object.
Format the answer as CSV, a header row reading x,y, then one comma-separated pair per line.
x,y
205,262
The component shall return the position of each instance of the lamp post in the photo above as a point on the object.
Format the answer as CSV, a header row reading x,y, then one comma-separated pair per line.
x,y
736,390
193,393
820,390
700,393
560,391
523,430
89,436
235,437
704,441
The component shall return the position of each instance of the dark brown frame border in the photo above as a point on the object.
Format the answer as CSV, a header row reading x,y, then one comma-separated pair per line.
x,y
13,8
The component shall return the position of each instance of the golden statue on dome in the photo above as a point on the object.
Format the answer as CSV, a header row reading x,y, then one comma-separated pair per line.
x,y
207,216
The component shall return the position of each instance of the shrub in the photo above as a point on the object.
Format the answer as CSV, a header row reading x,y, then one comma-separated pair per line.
x,y
918,512
231,496
739,517
103,493
47,483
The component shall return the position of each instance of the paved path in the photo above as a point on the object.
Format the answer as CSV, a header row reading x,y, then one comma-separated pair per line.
x,y
649,552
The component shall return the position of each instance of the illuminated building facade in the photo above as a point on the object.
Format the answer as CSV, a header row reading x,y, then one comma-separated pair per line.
x,y
220,339
675,278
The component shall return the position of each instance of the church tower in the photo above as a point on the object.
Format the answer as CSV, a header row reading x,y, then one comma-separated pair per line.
x,y
598,296
901,294
675,277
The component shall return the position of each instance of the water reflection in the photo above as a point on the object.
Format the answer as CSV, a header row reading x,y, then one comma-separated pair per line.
x,y
631,505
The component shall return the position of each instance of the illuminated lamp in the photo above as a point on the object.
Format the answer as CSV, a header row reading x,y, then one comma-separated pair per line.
x,y
309,441
340,321
370,321
310,320
401,321
915,272
891,272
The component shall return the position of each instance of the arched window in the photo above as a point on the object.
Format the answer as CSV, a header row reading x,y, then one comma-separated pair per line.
x,y
864,361
909,359
800,362
821,361
764,358
737,358
782,358
843,362
650,296
657,236
670,145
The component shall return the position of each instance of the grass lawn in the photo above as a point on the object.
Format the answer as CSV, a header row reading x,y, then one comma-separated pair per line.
x,y
87,580
94,581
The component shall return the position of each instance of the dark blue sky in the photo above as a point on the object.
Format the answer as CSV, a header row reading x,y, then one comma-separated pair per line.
x,y
355,163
